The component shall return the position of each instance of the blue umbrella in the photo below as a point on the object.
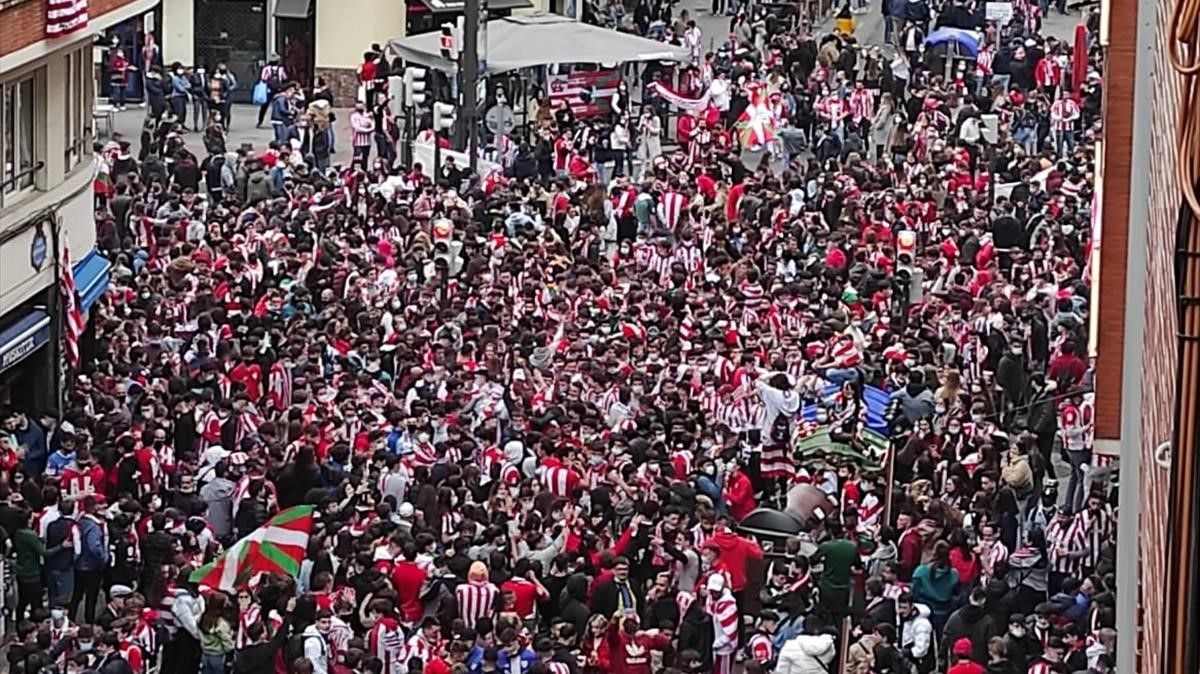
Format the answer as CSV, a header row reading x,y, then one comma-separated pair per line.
x,y
965,39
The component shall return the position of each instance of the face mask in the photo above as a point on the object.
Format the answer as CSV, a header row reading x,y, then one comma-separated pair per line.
x,y
977,418
85,646
57,614
595,460
1017,632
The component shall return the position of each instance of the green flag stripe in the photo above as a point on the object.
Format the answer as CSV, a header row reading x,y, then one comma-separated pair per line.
x,y
289,515
281,559
199,574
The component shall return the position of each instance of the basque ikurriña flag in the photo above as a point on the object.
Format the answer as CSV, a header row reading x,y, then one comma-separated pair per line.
x,y
276,547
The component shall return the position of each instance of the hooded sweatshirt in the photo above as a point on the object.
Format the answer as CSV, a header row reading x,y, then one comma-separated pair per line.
x,y
735,553
935,587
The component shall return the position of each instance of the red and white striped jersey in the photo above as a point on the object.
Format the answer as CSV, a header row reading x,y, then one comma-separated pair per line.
x,y
670,209
475,600
983,62
1042,666
862,105
1063,114
723,610
418,647
560,481
846,354
660,265
691,257
133,655
386,642
760,648
1063,540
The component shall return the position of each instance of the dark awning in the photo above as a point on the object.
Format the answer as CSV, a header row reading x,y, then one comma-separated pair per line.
x,y
292,9
439,6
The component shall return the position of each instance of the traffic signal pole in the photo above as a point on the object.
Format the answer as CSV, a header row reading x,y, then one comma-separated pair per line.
x,y
469,63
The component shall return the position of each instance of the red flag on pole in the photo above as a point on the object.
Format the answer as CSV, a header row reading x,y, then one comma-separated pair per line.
x,y
1079,64
73,323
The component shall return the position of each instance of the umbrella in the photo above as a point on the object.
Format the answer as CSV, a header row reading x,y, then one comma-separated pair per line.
x,y
775,522
967,40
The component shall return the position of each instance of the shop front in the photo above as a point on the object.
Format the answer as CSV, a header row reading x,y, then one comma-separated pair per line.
x,y
137,38
27,363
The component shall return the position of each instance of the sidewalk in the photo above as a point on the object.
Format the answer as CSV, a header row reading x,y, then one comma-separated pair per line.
x,y
243,131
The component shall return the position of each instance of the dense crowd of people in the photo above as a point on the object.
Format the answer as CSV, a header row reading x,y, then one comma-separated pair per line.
x,y
531,408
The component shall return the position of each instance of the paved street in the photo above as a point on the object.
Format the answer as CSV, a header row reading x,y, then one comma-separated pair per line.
x,y
243,131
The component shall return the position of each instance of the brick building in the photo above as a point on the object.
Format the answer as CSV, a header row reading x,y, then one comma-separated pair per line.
x,y
47,88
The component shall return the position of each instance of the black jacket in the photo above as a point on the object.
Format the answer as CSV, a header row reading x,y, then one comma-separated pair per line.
x,y
260,657
115,664
971,622
252,514
573,603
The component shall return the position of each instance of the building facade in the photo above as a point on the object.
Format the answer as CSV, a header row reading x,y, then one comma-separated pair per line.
x,y
47,92
312,38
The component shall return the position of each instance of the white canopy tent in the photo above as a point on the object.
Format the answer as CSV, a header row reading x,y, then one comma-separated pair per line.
x,y
526,41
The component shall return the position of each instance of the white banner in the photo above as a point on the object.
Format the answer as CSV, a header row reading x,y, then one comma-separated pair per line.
x,y
423,153
689,104
1000,12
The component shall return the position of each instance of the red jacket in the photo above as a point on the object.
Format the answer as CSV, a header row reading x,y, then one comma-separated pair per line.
x,y
739,493
967,667
910,545
736,553
408,578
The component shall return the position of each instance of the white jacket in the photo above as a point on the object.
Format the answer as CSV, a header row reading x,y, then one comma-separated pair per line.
x,y
916,635
187,609
315,649
807,654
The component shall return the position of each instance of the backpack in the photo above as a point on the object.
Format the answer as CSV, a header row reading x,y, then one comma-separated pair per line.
x,y
274,80
294,649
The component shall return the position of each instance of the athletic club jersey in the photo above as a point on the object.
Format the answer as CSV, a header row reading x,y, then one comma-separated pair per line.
x,y
560,480
761,649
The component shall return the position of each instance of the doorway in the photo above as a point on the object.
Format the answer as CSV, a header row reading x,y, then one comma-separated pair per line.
x,y
233,32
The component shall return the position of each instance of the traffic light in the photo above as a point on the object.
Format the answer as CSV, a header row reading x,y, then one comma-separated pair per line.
x,y
414,86
395,87
910,278
443,116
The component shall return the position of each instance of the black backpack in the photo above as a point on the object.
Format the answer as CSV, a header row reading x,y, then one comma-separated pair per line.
x,y
274,80
295,647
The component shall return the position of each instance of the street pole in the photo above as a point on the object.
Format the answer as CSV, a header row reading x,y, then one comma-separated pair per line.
x,y
437,141
470,74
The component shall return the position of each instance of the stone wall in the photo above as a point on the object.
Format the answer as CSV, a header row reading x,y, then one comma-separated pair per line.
x,y
343,82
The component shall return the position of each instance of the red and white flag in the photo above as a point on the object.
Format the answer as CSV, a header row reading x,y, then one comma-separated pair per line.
x,y
64,17
73,323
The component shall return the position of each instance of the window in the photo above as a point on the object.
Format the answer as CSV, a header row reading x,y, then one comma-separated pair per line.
x,y
18,139
78,108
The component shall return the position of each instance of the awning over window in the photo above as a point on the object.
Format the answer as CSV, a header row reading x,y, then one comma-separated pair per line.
x,y
292,9
21,339
438,6
91,279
